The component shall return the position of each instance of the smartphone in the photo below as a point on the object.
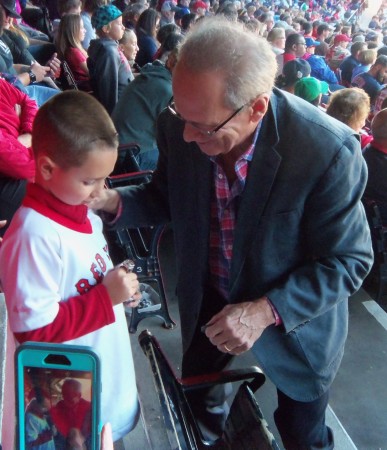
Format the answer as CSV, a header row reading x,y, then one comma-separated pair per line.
x,y
58,390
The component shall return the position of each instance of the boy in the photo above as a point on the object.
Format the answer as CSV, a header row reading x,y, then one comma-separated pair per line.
x,y
109,69
55,268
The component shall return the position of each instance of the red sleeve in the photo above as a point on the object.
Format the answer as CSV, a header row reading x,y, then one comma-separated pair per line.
x,y
28,113
78,316
16,160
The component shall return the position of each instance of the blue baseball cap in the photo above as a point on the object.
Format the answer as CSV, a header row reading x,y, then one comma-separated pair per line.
x,y
310,42
104,15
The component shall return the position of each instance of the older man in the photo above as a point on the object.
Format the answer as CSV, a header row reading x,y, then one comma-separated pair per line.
x,y
263,191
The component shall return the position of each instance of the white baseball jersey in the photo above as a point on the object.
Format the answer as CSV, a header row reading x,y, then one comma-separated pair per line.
x,y
52,261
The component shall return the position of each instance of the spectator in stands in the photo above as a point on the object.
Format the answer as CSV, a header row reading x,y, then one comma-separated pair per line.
x,y
25,77
339,51
199,8
88,8
295,47
350,62
65,7
187,21
366,58
375,155
306,28
131,15
323,32
311,89
168,11
321,70
129,47
136,112
292,72
352,107
372,81
109,69
276,37
146,30
278,280
17,163
70,35
268,20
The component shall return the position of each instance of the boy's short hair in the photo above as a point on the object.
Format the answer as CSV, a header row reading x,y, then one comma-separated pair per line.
x,y
69,126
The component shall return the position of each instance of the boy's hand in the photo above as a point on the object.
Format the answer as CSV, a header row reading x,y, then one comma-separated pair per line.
x,y
107,201
122,286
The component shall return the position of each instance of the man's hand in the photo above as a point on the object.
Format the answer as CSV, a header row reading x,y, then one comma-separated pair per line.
x,y
54,64
39,71
107,201
235,329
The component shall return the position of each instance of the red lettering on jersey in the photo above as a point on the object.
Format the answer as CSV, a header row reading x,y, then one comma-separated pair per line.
x,y
101,262
83,286
106,250
96,273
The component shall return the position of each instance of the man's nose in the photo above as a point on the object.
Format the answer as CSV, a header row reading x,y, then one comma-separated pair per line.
x,y
191,134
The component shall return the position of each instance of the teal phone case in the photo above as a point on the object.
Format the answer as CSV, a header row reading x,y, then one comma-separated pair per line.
x,y
58,362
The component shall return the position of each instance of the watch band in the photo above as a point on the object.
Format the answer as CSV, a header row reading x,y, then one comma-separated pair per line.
x,y
32,77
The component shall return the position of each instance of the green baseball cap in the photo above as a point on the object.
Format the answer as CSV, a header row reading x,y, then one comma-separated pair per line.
x,y
310,88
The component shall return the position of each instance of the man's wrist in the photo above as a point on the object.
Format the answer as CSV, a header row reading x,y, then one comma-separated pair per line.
x,y
112,202
272,314
32,77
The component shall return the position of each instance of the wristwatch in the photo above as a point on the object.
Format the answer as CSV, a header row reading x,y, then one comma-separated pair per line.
x,y
32,77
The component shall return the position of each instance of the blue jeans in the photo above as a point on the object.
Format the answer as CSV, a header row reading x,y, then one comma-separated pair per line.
x,y
40,93
148,160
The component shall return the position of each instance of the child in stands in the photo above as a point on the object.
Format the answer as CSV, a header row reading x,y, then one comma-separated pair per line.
x,y
109,69
70,35
55,269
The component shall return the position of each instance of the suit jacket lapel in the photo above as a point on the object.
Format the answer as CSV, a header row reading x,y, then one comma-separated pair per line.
x,y
261,175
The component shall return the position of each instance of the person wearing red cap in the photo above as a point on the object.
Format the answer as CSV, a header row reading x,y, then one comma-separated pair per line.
x,y
339,51
199,8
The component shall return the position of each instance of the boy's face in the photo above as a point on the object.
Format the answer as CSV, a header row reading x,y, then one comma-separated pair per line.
x,y
80,185
115,29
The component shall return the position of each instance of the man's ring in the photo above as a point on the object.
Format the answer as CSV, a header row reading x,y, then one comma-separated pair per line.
x,y
227,349
128,265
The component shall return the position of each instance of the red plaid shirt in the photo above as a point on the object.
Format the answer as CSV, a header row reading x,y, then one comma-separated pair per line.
x,y
224,209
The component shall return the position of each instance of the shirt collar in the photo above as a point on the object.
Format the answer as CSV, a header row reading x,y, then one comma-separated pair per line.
x,y
70,216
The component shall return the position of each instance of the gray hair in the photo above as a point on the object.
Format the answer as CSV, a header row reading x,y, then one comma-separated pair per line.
x,y
245,60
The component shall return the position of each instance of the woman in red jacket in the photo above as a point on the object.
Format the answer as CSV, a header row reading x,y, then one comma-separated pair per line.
x,y
16,157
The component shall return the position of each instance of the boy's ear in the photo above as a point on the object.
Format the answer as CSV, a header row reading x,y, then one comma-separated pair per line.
x,y
45,166
106,28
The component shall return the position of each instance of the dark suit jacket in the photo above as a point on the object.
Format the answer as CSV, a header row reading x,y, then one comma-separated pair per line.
x,y
301,235
376,188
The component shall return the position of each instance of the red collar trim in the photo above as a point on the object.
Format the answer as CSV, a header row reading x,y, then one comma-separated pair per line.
x,y
379,147
72,217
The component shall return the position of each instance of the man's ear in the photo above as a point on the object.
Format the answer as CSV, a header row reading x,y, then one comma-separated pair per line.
x,y
259,107
45,166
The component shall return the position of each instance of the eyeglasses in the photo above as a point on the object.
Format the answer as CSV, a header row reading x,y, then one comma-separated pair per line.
x,y
301,43
209,133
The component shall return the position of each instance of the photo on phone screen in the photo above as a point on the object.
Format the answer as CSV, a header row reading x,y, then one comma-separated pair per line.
x,y
58,397
58,409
